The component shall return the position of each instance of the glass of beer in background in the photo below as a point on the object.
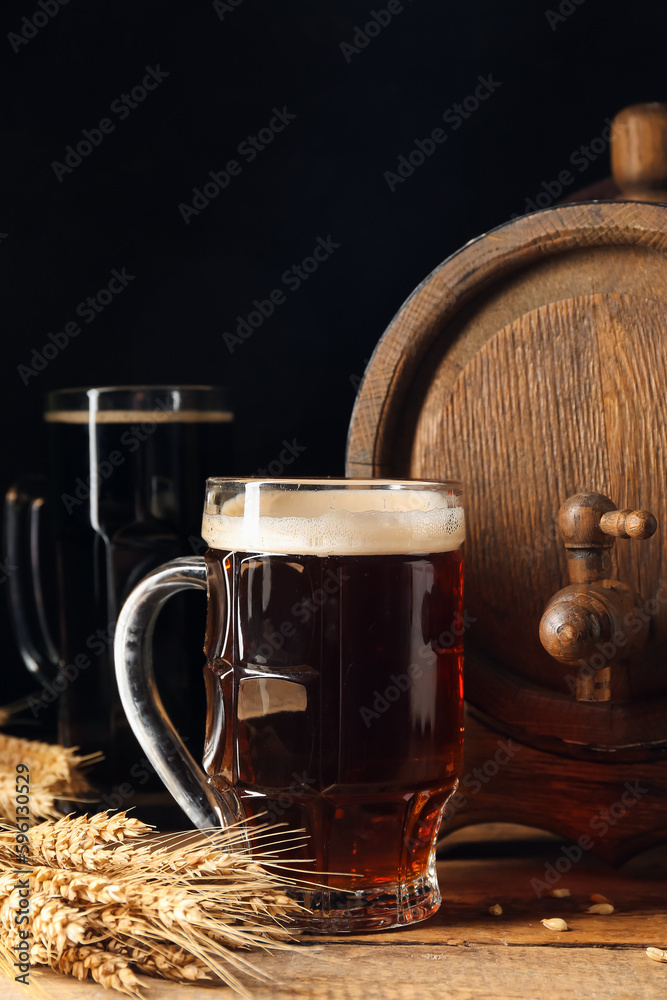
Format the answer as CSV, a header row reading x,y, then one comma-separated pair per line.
x,y
121,497
334,692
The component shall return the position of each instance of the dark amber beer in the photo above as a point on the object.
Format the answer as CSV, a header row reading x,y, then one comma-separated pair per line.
x,y
335,699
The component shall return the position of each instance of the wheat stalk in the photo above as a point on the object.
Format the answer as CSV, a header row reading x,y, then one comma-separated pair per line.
x,y
107,904
90,843
61,763
106,968
58,771
42,799
11,710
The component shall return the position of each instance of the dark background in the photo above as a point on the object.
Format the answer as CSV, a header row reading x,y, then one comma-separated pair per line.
x,y
295,378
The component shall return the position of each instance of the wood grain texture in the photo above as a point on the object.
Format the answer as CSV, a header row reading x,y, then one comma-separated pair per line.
x,y
531,365
545,789
464,952
633,372
508,432
534,418
639,152
558,253
431,972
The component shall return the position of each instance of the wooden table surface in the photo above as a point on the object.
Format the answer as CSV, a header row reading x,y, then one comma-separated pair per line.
x,y
464,952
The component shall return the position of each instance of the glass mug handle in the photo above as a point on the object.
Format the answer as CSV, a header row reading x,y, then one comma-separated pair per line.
x,y
184,778
25,505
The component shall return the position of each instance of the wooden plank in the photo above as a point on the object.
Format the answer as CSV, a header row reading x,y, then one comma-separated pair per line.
x,y
633,368
512,431
390,972
464,952
568,797
470,887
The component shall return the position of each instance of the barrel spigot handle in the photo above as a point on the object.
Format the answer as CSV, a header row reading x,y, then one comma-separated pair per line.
x,y
586,621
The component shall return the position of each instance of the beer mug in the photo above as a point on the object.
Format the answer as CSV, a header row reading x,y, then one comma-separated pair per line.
x,y
122,496
333,678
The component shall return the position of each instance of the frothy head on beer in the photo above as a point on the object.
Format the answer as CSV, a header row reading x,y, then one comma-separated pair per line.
x,y
333,517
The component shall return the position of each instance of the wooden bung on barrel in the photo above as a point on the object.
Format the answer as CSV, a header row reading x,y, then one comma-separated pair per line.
x,y
531,365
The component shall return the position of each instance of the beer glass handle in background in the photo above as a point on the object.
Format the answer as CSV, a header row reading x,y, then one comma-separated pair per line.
x,y
24,512
133,655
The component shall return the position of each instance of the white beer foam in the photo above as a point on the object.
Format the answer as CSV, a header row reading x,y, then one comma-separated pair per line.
x,y
337,522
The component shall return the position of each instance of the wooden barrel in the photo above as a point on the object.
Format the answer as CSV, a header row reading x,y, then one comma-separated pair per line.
x,y
532,365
